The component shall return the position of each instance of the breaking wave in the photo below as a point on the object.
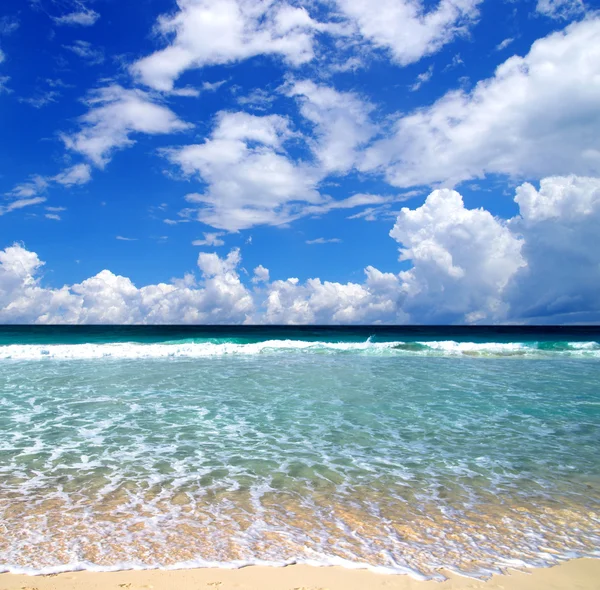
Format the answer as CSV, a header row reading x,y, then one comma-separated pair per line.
x,y
197,349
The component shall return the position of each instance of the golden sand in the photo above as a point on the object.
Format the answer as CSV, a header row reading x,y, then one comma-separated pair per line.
x,y
579,574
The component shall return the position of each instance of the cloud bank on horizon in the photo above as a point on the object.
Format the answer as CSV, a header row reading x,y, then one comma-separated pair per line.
x,y
416,163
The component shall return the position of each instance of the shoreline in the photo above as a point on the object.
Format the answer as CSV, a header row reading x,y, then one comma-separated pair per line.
x,y
581,573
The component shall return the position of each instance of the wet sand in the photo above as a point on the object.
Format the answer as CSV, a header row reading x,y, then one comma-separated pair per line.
x,y
580,574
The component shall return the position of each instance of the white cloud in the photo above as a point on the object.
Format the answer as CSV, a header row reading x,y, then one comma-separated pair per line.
x,y
213,86
8,25
537,116
115,113
324,302
28,193
406,28
20,204
124,239
41,99
196,92
324,241
36,185
462,260
210,239
560,9
259,99
53,216
84,17
212,32
504,44
422,79
251,181
86,52
109,298
78,174
2,56
358,200
467,266
341,120
559,224
3,87
261,274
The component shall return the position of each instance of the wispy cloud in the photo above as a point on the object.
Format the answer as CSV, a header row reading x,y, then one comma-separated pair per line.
x,y
210,239
36,185
84,17
41,99
504,44
20,204
78,174
324,241
3,86
422,79
8,25
124,239
86,52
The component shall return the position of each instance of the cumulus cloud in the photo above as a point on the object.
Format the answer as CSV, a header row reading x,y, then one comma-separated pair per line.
x,y
109,298
406,28
251,177
560,9
325,302
341,120
114,115
559,224
251,180
261,274
466,267
462,260
537,116
212,32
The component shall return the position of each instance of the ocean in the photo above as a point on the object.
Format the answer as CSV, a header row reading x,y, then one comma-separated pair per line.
x,y
404,450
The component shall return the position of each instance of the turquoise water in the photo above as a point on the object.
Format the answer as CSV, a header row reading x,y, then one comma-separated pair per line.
x,y
396,450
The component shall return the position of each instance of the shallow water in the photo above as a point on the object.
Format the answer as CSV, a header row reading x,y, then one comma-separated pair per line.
x,y
396,453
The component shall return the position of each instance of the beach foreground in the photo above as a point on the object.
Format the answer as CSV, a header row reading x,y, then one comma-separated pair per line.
x,y
582,574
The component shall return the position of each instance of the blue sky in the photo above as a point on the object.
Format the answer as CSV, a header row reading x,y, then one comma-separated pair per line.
x,y
148,141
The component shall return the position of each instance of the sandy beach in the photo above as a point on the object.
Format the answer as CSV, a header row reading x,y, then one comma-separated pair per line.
x,y
580,574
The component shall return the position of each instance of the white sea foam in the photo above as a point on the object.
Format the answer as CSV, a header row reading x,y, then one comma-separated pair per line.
x,y
133,350
77,566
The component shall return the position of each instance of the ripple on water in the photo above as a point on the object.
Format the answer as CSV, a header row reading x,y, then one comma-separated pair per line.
x,y
400,462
